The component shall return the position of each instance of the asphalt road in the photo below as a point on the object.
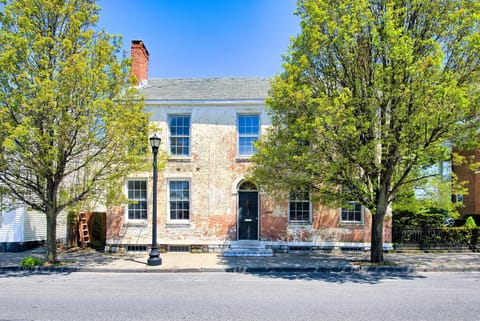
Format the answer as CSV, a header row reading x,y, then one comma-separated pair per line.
x,y
232,296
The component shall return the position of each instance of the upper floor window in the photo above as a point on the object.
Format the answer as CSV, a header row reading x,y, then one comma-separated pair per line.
x,y
353,213
179,130
179,200
248,127
137,199
299,207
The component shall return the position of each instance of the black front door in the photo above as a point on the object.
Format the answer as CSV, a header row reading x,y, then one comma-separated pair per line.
x,y
248,215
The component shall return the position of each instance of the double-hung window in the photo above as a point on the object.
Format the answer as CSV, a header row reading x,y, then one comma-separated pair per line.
x,y
353,213
137,199
248,127
299,207
179,199
179,134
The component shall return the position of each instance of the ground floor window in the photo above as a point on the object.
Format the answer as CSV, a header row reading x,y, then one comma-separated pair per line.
x,y
299,207
137,199
353,213
179,200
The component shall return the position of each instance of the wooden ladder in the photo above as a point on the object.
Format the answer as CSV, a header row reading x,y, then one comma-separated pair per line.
x,y
83,226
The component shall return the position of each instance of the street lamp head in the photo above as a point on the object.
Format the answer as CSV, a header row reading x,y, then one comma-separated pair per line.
x,y
155,142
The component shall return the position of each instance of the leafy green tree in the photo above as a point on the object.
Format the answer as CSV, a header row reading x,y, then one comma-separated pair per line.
x,y
71,126
433,195
370,93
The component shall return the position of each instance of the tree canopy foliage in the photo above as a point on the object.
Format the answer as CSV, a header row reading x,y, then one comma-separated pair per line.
x,y
372,93
71,123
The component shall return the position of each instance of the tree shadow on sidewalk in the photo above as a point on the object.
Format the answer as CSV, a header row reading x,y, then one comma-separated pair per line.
x,y
340,277
325,268
68,262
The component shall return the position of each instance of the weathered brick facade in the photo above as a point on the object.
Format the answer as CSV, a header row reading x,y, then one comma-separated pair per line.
x,y
215,172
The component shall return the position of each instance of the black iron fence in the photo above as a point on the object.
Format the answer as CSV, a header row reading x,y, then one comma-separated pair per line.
x,y
448,238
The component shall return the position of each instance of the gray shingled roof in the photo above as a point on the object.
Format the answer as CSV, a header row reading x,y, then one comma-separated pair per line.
x,y
206,89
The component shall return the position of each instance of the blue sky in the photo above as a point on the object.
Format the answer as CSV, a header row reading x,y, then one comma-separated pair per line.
x,y
205,38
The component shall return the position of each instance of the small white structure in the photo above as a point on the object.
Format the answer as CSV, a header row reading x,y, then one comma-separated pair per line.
x,y
21,228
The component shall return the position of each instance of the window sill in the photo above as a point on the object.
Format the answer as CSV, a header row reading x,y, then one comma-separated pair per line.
x,y
180,159
352,224
180,224
243,159
299,223
136,223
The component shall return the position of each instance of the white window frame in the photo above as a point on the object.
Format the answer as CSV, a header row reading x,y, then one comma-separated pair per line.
x,y
169,116
290,200
169,218
257,136
127,216
362,214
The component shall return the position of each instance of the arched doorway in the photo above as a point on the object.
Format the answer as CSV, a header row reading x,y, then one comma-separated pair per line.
x,y
248,211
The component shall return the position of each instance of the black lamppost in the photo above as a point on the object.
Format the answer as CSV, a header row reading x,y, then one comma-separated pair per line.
x,y
154,258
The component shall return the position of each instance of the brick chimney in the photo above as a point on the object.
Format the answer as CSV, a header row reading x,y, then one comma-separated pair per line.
x,y
139,54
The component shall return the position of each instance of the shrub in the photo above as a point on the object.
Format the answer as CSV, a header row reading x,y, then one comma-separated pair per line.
x,y
407,219
470,223
30,262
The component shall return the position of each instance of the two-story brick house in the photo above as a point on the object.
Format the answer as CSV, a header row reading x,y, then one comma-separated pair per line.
x,y
207,127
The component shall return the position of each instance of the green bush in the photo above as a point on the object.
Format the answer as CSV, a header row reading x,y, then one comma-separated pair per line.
x,y
30,262
470,223
407,219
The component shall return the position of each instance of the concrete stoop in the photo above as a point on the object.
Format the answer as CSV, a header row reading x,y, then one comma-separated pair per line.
x,y
247,248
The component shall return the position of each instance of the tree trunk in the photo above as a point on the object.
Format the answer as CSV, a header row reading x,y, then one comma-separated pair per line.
x,y
376,251
51,245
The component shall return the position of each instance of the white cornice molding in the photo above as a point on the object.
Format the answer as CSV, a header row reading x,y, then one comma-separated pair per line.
x,y
249,102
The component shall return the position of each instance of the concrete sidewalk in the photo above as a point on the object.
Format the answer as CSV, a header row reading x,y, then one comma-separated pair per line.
x,y
92,261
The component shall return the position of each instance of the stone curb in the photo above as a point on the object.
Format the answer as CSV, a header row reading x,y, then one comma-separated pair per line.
x,y
239,269
456,269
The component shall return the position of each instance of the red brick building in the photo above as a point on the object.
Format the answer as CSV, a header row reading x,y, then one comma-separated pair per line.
x,y
464,172
207,127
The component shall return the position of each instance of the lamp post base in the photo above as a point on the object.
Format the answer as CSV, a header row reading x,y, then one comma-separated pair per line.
x,y
154,258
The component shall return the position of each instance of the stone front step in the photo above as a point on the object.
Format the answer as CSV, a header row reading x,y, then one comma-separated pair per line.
x,y
247,252
247,248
